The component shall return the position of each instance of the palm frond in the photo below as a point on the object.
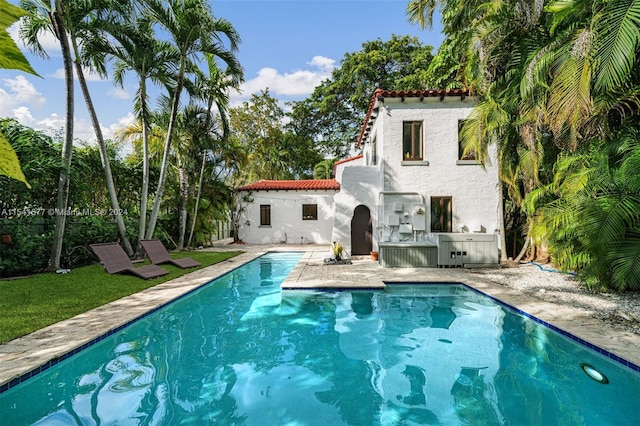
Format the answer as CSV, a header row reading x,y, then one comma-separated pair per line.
x,y
617,42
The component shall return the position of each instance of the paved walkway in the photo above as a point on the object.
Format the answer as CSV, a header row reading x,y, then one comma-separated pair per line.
x,y
36,350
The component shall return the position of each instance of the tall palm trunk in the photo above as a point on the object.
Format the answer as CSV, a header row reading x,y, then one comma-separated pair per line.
x,y
165,158
197,202
67,146
104,157
144,197
182,211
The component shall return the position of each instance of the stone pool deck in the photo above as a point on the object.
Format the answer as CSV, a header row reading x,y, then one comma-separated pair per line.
x,y
32,352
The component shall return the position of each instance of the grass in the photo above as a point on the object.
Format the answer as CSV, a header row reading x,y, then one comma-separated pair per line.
x,y
29,304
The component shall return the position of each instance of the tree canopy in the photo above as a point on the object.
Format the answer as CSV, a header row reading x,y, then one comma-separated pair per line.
x,y
334,112
558,84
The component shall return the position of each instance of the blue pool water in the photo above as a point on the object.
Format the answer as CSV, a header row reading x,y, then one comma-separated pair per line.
x,y
240,351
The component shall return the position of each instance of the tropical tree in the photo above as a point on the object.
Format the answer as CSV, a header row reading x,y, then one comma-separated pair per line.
x,y
11,58
324,169
86,22
590,216
193,31
551,79
41,166
214,90
51,17
193,138
333,114
135,48
258,126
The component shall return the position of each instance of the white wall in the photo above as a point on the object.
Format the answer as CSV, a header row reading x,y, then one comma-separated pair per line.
x,y
474,190
286,218
360,186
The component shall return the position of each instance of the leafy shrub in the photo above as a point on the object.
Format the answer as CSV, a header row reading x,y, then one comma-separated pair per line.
x,y
28,251
32,237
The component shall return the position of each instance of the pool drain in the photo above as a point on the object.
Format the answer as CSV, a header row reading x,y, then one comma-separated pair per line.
x,y
594,374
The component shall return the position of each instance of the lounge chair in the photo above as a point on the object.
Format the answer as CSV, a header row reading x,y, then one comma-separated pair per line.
x,y
115,261
158,254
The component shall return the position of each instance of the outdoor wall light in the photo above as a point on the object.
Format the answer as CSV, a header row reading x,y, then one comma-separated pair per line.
x,y
247,223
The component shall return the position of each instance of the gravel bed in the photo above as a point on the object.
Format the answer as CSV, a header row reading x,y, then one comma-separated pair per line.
x,y
620,310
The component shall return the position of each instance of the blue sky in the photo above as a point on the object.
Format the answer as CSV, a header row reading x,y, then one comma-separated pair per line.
x,y
287,46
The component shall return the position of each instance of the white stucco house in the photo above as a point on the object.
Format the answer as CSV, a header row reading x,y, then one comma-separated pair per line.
x,y
288,211
410,195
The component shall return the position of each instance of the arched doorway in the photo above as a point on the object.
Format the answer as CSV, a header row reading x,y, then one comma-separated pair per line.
x,y
361,231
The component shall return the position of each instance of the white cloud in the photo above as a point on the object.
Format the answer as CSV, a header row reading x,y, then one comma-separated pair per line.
x,y
47,40
127,147
323,63
50,124
296,83
23,115
119,124
82,128
118,93
88,75
20,93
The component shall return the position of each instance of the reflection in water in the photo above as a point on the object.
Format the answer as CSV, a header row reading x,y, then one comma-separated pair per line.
x,y
414,347
241,352
266,279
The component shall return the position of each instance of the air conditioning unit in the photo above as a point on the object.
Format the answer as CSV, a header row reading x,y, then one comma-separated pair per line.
x,y
467,250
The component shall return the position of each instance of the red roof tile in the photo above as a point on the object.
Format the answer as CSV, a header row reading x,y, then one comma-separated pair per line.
x,y
286,185
406,94
346,160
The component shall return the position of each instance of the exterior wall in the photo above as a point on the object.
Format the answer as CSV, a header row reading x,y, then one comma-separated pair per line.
x,y
341,167
474,189
287,225
359,186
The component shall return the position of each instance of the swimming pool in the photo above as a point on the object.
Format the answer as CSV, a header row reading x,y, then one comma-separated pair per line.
x,y
240,351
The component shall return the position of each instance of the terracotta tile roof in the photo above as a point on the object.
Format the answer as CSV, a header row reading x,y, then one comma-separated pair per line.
x,y
292,185
404,94
346,160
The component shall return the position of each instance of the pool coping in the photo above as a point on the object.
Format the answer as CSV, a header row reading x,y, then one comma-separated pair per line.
x,y
23,357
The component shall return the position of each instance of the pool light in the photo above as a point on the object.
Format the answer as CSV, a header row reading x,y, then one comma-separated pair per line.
x,y
591,371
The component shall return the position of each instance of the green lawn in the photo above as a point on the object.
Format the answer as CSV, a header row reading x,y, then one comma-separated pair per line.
x,y
29,304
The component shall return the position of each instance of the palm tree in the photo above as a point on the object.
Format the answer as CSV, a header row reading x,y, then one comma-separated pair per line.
x,y
87,21
214,89
136,49
591,219
550,80
324,169
50,17
193,30
193,137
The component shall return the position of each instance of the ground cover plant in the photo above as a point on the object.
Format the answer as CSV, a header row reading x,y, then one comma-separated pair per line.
x,y
31,303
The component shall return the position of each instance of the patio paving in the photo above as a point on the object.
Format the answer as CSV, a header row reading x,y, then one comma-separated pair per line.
x,y
37,349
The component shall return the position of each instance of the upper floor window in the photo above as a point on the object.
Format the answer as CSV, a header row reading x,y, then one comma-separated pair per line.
x,y
461,156
412,140
309,212
265,215
441,214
